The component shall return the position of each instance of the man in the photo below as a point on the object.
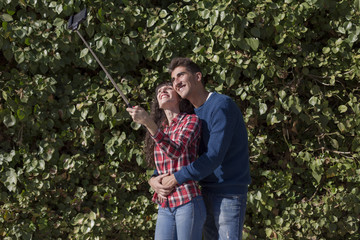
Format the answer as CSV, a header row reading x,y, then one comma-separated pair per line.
x,y
222,167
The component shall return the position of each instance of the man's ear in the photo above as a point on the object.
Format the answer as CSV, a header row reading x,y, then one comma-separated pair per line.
x,y
198,76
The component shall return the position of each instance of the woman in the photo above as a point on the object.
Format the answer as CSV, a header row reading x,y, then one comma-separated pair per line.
x,y
172,142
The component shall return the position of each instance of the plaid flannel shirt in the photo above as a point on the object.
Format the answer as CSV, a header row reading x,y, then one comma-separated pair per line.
x,y
177,146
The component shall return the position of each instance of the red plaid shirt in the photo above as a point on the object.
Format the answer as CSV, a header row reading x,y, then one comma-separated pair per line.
x,y
177,146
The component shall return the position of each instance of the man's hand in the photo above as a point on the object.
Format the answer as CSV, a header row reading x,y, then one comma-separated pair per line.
x,y
169,181
159,188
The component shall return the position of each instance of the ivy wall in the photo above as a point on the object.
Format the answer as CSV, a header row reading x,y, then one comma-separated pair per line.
x,y
71,160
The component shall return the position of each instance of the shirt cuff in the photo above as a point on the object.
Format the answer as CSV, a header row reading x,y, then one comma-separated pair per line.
x,y
158,136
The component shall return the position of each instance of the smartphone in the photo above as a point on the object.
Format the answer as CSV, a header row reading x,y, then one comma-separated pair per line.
x,y
76,19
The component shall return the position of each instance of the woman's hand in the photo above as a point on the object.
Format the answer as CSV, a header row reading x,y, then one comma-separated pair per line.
x,y
139,115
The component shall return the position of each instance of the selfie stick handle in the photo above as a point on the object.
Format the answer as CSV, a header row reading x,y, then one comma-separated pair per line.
x,y
106,72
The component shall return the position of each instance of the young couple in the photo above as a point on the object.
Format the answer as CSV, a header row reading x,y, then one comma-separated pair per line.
x,y
209,148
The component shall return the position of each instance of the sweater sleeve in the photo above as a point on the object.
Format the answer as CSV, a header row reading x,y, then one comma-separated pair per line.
x,y
222,120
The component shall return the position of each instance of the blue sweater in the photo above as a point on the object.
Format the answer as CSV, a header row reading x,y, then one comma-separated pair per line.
x,y
223,163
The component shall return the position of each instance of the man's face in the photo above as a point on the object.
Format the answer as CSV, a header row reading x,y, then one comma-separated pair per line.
x,y
183,81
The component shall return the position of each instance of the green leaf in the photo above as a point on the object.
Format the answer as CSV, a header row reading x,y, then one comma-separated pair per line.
x,y
353,37
215,58
52,4
279,220
84,113
341,127
9,120
357,5
317,176
100,15
58,22
135,125
11,180
92,215
19,56
163,13
214,17
59,8
102,116
21,33
11,12
268,232
251,15
198,49
6,17
253,43
342,108
326,50
313,100
334,143
262,108
21,114
84,52
173,7
151,21
282,94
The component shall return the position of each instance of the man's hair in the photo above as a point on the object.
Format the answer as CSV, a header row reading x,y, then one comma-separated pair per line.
x,y
183,62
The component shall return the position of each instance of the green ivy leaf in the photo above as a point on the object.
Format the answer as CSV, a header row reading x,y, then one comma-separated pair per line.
x,y
313,100
357,5
19,56
262,108
102,116
342,108
59,8
11,180
151,21
6,17
58,22
334,143
84,52
214,17
316,176
163,13
21,114
353,37
135,125
9,120
253,43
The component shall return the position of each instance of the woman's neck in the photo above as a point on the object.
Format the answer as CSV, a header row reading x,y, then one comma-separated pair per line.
x,y
171,113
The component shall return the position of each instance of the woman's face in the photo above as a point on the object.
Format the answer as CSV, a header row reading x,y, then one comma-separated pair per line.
x,y
167,97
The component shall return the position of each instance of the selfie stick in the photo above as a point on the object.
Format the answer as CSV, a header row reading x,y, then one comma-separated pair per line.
x,y
73,24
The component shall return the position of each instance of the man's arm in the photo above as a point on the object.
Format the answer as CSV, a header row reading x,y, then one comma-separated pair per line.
x,y
222,129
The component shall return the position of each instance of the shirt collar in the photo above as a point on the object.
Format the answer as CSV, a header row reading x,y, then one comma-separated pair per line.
x,y
175,120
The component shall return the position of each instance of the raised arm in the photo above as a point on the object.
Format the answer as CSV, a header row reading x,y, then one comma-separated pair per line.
x,y
189,131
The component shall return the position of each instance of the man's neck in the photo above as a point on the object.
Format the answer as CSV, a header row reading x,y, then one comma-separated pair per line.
x,y
199,99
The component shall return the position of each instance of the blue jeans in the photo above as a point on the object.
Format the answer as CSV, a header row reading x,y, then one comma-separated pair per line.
x,y
225,216
184,222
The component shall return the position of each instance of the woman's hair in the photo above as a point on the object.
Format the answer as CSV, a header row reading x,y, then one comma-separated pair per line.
x,y
158,115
